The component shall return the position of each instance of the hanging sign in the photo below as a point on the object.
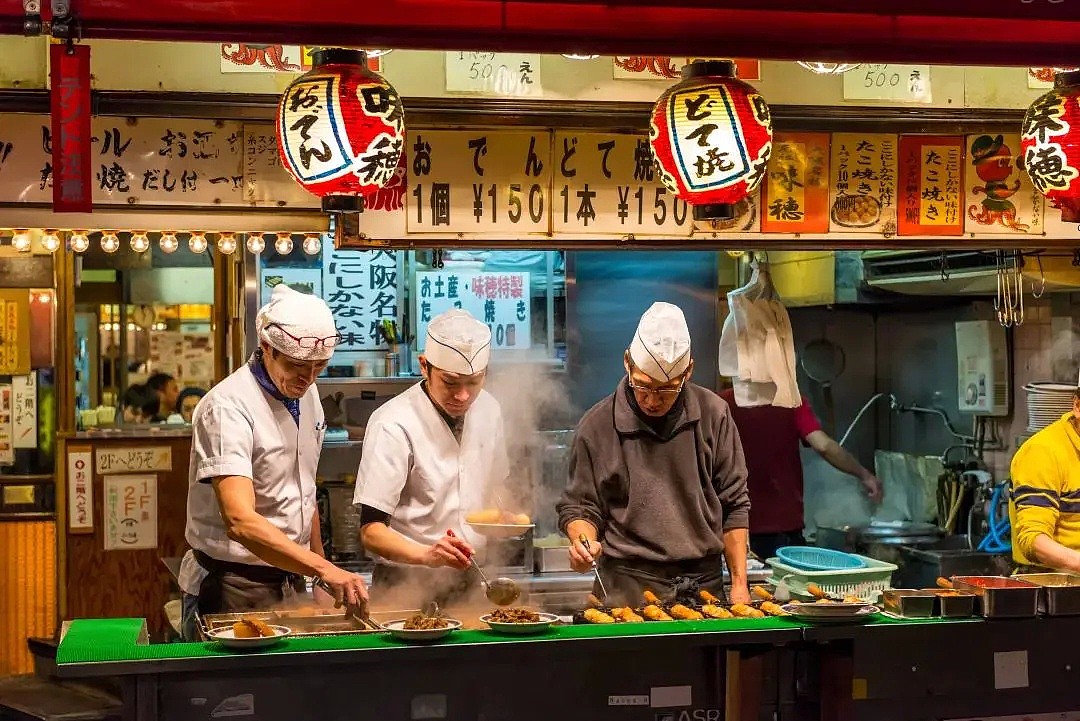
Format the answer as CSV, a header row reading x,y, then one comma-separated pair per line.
x,y
1000,197
71,153
24,411
931,185
134,460
14,332
479,181
862,196
130,512
498,74
796,192
7,447
605,183
501,300
895,83
362,289
80,489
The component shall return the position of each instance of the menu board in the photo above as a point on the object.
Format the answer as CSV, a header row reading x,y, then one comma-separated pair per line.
x,y
14,332
605,183
479,181
931,185
130,512
501,300
796,191
1000,197
862,196
362,289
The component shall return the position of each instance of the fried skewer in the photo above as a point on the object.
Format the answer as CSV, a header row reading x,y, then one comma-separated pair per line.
x,y
626,615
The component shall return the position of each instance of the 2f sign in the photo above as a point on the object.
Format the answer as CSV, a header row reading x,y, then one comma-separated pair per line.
x,y
898,83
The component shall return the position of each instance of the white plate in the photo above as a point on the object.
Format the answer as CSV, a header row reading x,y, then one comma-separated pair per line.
x,y
397,630
546,619
226,637
501,530
850,612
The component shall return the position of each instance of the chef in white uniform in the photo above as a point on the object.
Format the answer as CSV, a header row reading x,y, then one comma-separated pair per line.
x,y
430,456
252,522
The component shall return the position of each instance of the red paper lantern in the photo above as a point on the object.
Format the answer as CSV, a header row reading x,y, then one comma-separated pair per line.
x,y
711,137
341,129
1050,145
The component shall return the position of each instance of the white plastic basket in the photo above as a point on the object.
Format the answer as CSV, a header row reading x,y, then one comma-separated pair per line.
x,y
867,582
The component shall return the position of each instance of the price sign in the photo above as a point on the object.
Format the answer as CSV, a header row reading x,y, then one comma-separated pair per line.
x,y
501,74
898,83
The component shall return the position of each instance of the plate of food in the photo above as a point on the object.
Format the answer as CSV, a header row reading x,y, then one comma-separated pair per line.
x,y
420,627
518,621
249,633
831,612
856,211
496,523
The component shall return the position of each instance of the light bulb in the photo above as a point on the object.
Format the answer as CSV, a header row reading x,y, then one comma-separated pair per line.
x,y
312,244
828,68
197,243
283,245
79,242
168,242
255,243
227,243
51,241
21,240
139,242
109,242
576,56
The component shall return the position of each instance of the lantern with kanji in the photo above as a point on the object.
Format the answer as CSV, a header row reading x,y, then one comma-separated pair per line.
x,y
711,137
340,130
1050,145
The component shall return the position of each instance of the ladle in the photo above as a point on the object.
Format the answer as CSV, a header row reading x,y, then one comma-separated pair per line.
x,y
502,591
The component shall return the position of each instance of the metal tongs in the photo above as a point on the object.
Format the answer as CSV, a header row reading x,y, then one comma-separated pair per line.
x,y
596,570
357,612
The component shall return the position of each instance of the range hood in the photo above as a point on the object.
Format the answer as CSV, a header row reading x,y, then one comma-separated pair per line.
x,y
966,272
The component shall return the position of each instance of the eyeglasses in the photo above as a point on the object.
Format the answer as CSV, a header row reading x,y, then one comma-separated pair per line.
x,y
310,342
666,392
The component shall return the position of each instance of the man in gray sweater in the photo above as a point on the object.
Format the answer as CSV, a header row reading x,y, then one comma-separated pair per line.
x,y
657,476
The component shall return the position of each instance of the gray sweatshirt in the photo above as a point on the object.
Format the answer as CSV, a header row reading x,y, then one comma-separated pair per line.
x,y
657,500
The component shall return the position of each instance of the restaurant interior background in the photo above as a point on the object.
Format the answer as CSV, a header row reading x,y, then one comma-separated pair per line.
x,y
876,321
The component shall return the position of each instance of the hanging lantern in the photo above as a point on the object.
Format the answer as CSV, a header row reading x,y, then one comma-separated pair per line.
x,y
1050,145
340,130
711,137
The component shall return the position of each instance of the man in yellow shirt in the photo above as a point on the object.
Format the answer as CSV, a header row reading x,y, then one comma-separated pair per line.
x,y
1046,496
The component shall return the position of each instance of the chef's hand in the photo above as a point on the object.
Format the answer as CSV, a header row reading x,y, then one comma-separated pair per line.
x,y
872,487
449,551
322,598
349,588
582,560
739,594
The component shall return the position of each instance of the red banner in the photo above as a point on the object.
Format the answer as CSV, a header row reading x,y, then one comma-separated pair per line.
x,y
70,100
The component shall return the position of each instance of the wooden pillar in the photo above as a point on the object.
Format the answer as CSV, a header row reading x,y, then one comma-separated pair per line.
x,y
744,677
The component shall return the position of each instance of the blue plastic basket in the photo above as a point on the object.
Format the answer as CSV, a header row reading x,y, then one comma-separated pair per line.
x,y
810,558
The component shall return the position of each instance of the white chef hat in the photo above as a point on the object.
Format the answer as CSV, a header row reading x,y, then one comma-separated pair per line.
x,y
661,345
290,312
458,343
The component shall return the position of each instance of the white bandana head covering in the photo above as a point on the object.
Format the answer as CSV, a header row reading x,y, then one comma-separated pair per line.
x,y
298,314
458,343
661,345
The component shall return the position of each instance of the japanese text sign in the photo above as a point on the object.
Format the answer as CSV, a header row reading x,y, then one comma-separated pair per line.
x,y
862,197
14,332
7,447
501,300
134,459
130,512
362,289
931,185
80,488
896,83
501,74
796,191
24,411
71,149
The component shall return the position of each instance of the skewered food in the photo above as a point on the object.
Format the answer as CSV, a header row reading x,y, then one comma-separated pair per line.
x,y
708,597
853,599
713,611
772,609
655,613
251,628
595,615
651,598
626,615
762,593
514,615
743,611
420,622
594,601
685,613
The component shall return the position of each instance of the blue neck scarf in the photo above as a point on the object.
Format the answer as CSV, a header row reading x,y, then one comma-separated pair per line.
x,y
263,379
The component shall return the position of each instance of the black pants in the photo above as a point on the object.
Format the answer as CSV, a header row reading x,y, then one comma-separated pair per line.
x,y
764,545
627,580
239,587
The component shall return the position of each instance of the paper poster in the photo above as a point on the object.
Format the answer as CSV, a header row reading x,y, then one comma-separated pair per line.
x,y
498,74
895,83
862,197
931,185
80,490
362,288
796,191
24,411
134,460
14,330
501,300
1000,197
7,448
130,512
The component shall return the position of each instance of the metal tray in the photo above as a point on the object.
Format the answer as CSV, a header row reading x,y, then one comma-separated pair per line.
x,y
552,558
1060,592
953,604
909,603
306,624
1001,597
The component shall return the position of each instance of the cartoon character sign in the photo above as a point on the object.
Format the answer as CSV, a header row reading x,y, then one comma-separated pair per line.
x,y
993,162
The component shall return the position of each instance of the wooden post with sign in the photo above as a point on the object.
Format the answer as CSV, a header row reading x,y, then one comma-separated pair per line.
x,y
70,107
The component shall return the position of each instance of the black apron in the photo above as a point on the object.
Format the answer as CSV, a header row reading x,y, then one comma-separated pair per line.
x,y
238,587
627,580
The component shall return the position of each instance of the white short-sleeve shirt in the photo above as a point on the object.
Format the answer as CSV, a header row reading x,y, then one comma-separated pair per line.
x,y
414,469
238,429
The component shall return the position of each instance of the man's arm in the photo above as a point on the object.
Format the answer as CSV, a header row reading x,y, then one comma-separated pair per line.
x,y
1052,554
841,460
1036,493
729,481
580,510
391,545
316,544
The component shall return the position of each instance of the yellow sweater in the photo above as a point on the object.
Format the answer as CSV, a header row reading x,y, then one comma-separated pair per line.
x,y
1046,490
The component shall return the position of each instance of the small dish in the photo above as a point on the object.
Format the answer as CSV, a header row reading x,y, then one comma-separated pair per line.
x,y
397,630
227,638
521,629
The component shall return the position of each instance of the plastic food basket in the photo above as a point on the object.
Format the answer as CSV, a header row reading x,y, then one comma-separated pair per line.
x,y
867,582
810,558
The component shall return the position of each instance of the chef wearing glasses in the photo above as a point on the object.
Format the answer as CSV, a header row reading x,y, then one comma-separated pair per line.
x,y
657,477
252,522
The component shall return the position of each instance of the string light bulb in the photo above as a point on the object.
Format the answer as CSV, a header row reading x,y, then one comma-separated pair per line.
x,y
227,243
51,240
255,243
80,243
168,242
283,245
312,243
20,241
110,243
828,68
139,242
197,242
